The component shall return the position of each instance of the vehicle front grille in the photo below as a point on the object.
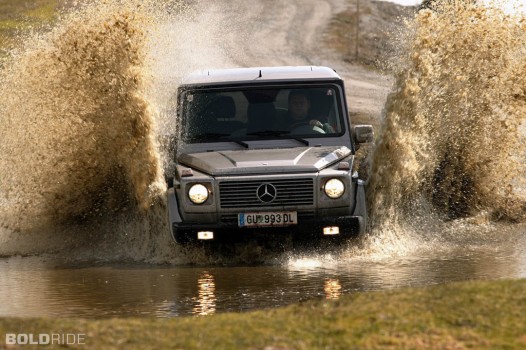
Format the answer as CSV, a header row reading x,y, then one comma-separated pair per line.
x,y
289,192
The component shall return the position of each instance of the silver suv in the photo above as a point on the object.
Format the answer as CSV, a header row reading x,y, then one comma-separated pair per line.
x,y
265,149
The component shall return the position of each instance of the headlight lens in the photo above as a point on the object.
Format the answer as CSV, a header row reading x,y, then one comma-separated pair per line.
x,y
334,188
198,194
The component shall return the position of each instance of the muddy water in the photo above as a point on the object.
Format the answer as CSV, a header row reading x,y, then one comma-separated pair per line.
x,y
453,137
48,287
82,219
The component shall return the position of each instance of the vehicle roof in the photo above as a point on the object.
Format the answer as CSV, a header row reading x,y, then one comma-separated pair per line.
x,y
261,74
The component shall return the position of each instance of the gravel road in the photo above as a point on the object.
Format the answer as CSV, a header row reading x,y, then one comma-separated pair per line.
x,y
276,32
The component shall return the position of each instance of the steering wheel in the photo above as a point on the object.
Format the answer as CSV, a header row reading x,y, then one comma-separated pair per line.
x,y
305,128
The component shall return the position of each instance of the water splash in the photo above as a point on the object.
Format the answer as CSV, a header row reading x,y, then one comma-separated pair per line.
x,y
452,143
78,135
77,127
84,105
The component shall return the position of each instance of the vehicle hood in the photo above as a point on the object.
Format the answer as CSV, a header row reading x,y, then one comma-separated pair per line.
x,y
258,161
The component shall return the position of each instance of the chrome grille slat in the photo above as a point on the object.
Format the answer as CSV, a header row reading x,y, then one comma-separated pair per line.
x,y
290,192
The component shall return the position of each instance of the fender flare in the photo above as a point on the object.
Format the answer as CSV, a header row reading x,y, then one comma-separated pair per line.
x,y
173,210
360,205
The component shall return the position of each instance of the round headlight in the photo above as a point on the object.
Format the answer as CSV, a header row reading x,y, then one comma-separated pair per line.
x,y
334,188
198,194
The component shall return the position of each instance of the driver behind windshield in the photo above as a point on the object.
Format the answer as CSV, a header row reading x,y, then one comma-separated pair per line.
x,y
299,113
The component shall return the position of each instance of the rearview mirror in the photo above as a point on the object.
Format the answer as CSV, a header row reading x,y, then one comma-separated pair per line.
x,y
363,133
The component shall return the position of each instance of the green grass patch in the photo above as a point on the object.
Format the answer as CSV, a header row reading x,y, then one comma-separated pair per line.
x,y
44,12
469,315
21,11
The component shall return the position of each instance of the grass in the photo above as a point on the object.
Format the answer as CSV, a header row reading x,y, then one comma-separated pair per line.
x,y
468,315
23,13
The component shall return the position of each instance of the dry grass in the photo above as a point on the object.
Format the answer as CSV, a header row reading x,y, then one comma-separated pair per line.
x,y
372,40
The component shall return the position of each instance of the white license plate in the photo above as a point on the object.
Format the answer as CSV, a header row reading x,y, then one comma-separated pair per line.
x,y
267,219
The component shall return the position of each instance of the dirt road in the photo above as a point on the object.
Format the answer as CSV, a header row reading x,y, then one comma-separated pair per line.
x,y
276,32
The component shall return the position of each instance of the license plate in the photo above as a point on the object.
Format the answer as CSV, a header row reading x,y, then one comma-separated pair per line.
x,y
270,219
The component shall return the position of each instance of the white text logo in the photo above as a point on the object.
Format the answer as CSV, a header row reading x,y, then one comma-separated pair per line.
x,y
45,339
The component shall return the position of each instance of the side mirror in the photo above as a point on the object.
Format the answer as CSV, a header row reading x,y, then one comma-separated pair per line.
x,y
363,134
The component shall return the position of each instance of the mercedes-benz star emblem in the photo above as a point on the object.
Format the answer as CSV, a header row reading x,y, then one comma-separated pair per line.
x,y
266,193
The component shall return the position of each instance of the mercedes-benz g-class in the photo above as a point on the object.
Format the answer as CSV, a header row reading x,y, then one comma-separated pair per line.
x,y
261,149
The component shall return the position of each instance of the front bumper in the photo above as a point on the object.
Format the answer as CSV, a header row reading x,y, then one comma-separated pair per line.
x,y
307,227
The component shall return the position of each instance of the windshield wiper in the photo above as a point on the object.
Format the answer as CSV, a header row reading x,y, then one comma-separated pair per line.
x,y
281,134
210,136
239,142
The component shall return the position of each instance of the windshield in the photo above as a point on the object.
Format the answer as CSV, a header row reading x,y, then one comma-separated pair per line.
x,y
261,113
